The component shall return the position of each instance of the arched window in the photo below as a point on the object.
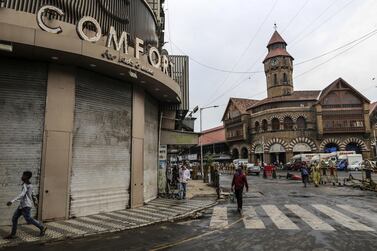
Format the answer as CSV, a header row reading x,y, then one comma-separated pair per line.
x,y
301,123
257,126
285,78
275,79
275,124
264,125
288,123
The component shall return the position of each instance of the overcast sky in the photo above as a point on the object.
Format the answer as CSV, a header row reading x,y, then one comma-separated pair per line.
x,y
232,35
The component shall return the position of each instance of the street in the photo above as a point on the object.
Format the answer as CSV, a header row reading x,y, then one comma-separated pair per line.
x,y
278,214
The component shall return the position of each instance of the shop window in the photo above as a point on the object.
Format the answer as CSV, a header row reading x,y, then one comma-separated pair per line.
x,y
264,125
275,124
288,123
301,123
275,79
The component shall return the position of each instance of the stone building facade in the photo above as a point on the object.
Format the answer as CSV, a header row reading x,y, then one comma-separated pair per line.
x,y
290,122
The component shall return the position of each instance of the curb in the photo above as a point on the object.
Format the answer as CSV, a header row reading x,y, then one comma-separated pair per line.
x,y
78,236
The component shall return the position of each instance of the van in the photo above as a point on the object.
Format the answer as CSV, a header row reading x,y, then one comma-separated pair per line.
x,y
238,162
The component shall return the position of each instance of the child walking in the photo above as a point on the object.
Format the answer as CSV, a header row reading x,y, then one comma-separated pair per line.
x,y
24,209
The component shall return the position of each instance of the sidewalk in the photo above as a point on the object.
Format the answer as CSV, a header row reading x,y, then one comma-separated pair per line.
x,y
156,211
197,188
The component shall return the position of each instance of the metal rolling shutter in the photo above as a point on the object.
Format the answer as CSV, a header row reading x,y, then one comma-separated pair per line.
x,y
22,109
150,148
101,145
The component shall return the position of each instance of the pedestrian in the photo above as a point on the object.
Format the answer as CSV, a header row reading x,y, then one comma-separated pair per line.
x,y
184,176
238,183
216,182
27,200
317,174
305,174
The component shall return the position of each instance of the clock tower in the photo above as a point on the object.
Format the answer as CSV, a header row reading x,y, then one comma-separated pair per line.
x,y
278,67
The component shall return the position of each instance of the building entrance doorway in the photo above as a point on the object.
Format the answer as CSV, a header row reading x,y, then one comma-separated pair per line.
x,y
277,154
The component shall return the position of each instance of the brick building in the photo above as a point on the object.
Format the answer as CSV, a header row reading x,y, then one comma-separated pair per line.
x,y
289,122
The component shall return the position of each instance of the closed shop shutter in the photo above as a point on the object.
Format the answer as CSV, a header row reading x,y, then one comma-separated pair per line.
x,y
150,148
101,145
22,108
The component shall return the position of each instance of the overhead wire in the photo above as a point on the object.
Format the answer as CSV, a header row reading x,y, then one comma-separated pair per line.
x,y
249,44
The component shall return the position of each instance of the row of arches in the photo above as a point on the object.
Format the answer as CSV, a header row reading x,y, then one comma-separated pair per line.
x,y
287,123
298,145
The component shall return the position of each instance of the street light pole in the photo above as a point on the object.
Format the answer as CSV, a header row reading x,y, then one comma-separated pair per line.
x,y
201,142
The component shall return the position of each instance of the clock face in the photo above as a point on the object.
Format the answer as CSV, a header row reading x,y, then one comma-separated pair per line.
x,y
274,61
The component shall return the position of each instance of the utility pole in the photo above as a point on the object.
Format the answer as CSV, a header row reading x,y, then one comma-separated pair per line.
x,y
201,142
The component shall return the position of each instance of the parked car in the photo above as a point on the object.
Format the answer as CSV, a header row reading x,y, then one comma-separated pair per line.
x,y
253,169
356,166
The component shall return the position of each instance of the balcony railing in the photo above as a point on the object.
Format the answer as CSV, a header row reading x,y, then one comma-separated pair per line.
x,y
344,130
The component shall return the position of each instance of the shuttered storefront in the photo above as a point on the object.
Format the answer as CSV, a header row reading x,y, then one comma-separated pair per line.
x,y
101,145
150,148
22,110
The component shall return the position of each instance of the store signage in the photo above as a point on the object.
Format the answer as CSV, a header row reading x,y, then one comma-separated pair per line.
x,y
155,59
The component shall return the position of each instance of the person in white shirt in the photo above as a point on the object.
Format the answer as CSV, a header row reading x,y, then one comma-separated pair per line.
x,y
26,203
184,176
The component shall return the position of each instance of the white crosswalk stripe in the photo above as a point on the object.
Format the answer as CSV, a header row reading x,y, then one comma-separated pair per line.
x,y
361,212
251,220
279,218
313,221
219,217
342,219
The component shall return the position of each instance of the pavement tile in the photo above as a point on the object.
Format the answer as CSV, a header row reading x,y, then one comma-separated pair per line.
x,y
157,210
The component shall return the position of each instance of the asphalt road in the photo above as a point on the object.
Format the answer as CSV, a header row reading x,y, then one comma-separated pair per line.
x,y
278,215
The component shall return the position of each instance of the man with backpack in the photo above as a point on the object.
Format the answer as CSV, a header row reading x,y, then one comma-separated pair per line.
x,y
238,183
304,174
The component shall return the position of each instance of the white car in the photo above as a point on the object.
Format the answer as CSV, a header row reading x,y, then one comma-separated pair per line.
x,y
356,166
251,168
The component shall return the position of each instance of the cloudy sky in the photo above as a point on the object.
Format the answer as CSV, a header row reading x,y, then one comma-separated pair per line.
x,y
327,38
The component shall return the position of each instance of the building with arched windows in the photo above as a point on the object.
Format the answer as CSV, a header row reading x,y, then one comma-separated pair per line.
x,y
289,122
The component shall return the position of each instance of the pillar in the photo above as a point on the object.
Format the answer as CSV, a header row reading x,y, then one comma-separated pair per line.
x,y
137,150
57,143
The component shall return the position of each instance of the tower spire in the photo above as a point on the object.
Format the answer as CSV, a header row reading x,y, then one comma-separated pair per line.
x,y
275,26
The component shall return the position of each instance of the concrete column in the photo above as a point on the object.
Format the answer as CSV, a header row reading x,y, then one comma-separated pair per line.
x,y
366,119
57,143
319,119
288,156
137,154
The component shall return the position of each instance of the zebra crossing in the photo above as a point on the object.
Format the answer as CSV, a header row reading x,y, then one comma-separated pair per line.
x,y
317,216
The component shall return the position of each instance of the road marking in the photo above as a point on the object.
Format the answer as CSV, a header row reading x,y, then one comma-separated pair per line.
x,y
251,220
279,218
313,221
66,228
219,217
342,219
361,212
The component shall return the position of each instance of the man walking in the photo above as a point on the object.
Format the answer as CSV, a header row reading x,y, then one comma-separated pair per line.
x,y
184,176
238,183
26,203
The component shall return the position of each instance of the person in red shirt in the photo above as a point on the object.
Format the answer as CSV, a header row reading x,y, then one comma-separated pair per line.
x,y
238,183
